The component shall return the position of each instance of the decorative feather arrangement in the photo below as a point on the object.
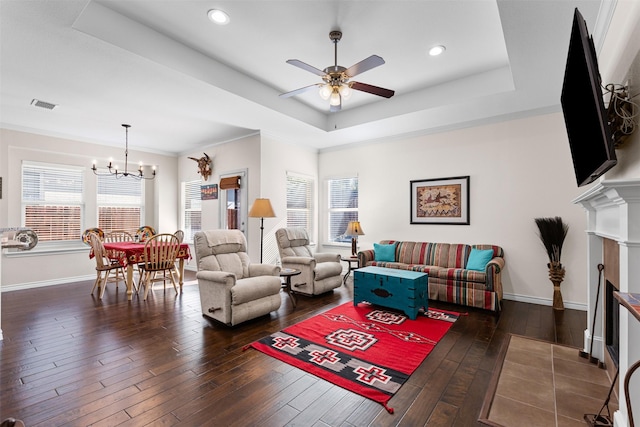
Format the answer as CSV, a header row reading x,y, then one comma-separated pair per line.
x,y
552,232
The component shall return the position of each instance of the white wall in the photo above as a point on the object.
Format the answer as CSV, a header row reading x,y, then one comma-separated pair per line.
x,y
36,268
519,170
278,158
266,161
239,155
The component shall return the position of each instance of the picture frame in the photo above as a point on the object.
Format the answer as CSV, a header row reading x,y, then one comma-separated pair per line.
x,y
440,201
209,192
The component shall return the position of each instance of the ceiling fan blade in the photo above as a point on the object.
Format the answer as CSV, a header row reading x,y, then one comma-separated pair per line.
x,y
364,65
380,91
306,67
300,90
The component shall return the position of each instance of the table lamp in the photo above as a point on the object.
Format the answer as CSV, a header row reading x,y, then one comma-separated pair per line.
x,y
354,230
261,209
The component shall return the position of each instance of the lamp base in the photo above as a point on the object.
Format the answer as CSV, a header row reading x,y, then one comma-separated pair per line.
x,y
354,246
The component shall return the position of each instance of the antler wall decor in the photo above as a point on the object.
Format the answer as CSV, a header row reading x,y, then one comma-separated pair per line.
x,y
204,166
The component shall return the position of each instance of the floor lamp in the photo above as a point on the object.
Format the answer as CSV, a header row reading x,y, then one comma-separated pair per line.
x,y
354,230
261,209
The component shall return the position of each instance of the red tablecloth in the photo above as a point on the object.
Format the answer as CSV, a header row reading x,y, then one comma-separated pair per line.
x,y
132,253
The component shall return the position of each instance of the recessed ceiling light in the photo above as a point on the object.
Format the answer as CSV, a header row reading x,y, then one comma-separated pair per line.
x,y
218,16
437,50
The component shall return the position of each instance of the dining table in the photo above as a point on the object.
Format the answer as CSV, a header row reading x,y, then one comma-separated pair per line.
x,y
129,254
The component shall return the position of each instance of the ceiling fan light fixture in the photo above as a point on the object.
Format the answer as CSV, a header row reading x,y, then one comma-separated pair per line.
x,y
335,98
345,91
218,16
437,50
325,91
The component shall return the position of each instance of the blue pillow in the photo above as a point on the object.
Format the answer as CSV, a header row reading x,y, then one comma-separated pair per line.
x,y
479,258
385,253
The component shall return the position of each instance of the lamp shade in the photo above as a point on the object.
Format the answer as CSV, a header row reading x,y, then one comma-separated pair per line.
x,y
354,229
261,209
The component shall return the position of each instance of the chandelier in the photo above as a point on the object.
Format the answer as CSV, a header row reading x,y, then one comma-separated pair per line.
x,y
113,170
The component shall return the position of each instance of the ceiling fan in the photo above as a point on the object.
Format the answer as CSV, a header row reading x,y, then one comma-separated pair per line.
x,y
336,84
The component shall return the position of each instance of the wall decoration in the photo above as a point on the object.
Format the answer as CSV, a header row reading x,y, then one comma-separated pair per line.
x,y
204,166
209,192
440,201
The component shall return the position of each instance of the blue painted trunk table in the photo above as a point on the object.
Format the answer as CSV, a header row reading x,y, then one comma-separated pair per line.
x,y
400,289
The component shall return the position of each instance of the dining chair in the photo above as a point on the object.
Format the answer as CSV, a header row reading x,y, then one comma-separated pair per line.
x,y
160,255
180,235
144,233
86,233
104,265
118,236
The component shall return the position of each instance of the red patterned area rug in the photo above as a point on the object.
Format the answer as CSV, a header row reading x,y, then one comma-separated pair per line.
x,y
365,349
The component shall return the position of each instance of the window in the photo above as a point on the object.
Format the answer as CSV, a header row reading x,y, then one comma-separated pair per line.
x,y
120,203
52,201
299,201
191,209
343,207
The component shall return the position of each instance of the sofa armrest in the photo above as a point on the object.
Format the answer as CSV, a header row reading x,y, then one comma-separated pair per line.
x,y
365,256
301,260
263,270
326,257
493,272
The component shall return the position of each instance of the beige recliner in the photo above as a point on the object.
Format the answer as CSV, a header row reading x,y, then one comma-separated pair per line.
x,y
232,289
321,272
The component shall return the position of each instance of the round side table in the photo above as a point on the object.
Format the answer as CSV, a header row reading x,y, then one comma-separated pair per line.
x,y
351,261
288,273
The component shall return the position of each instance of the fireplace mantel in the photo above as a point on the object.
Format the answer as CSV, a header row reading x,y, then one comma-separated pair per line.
x,y
613,212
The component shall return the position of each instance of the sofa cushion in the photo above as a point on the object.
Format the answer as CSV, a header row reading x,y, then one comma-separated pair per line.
x,y
479,258
458,254
384,252
458,275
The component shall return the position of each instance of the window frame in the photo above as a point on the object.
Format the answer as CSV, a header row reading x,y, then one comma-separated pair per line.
x,y
189,232
70,170
330,210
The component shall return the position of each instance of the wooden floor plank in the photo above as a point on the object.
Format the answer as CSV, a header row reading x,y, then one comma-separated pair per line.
x,y
79,360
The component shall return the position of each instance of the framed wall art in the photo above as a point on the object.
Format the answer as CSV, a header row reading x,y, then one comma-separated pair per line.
x,y
209,192
440,201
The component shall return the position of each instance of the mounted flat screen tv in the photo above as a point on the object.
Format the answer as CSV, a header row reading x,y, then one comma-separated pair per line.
x,y
589,132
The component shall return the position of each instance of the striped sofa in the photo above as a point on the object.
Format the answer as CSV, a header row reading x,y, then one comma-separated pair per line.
x,y
445,264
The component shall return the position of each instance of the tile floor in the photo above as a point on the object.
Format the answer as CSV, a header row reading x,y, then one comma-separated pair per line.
x,y
545,384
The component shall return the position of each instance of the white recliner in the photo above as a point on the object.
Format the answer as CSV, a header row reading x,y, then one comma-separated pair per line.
x,y
232,289
321,272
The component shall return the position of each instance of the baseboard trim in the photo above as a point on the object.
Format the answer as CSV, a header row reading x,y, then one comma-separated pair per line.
x,y
543,301
54,282
32,285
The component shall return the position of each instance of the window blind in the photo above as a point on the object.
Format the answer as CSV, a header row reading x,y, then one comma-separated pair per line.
x,y
120,203
299,201
191,209
230,183
343,207
53,201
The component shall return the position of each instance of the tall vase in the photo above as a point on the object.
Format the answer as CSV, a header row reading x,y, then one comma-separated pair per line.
x,y
556,275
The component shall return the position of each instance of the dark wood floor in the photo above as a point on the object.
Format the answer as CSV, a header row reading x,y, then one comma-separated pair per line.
x,y
71,359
